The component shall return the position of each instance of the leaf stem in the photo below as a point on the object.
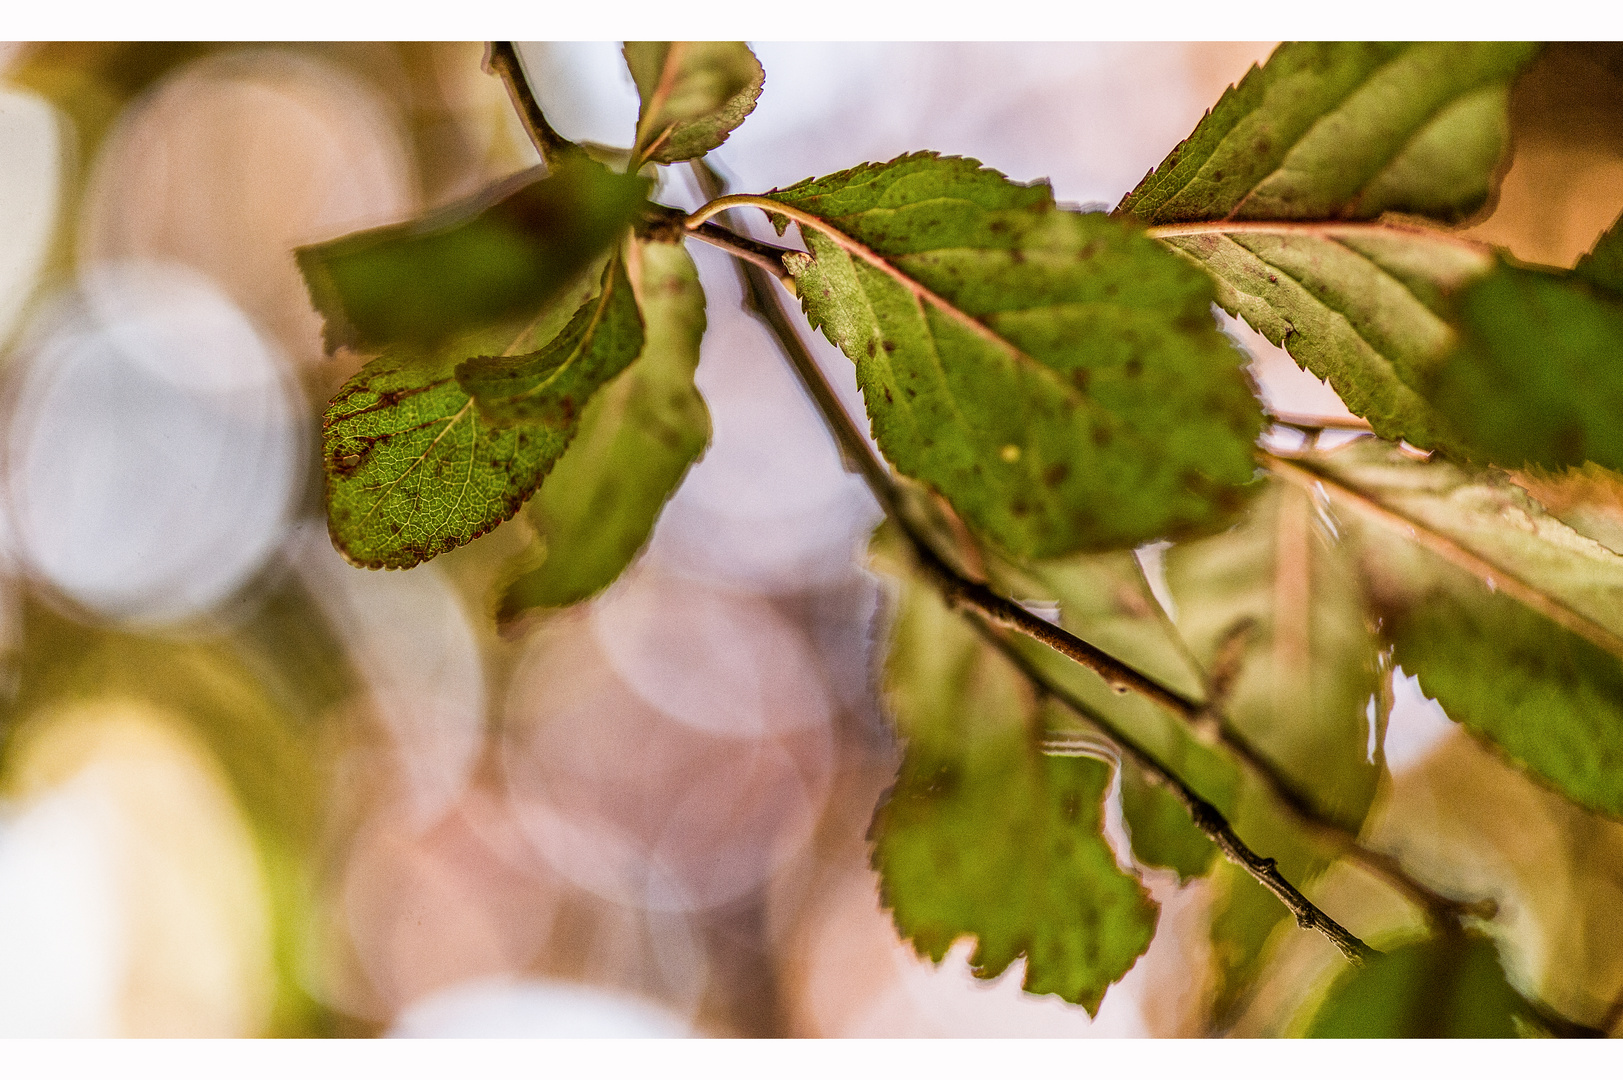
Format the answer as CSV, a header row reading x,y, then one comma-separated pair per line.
x,y
994,611
768,257
1314,424
502,58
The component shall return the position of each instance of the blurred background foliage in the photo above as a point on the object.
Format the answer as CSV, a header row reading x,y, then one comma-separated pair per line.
x,y
247,789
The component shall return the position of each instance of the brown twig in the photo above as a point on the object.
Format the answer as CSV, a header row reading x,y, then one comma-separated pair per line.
x,y
768,257
501,57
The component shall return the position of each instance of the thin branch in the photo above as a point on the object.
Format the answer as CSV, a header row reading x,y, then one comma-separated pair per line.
x,y
961,592
1438,909
1304,474
993,610
768,257
502,58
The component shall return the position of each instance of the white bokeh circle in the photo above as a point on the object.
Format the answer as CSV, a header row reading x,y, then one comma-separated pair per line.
x,y
155,445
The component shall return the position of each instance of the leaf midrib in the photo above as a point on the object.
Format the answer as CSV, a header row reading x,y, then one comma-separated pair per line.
x,y
920,292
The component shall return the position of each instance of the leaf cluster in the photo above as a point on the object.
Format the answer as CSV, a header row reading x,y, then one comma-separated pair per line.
x,y
1052,393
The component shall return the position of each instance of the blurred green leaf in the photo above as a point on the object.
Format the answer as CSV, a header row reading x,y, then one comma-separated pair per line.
x,y
1105,600
260,707
1160,829
984,835
1272,610
1535,378
637,438
1344,131
1550,699
1057,376
500,255
552,385
1450,987
694,93
1549,693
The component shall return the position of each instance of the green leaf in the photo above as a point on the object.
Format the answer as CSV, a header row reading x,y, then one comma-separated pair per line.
x,y
1273,610
1552,701
1055,375
637,438
1344,131
1450,987
982,834
551,385
1160,829
1362,306
413,470
1340,132
1535,379
1603,265
501,255
694,93
1530,664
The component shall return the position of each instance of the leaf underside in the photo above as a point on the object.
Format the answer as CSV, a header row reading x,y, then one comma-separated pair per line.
x,y
1055,375
1363,307
694,93
635,442
1344,131
983,835
1326,134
